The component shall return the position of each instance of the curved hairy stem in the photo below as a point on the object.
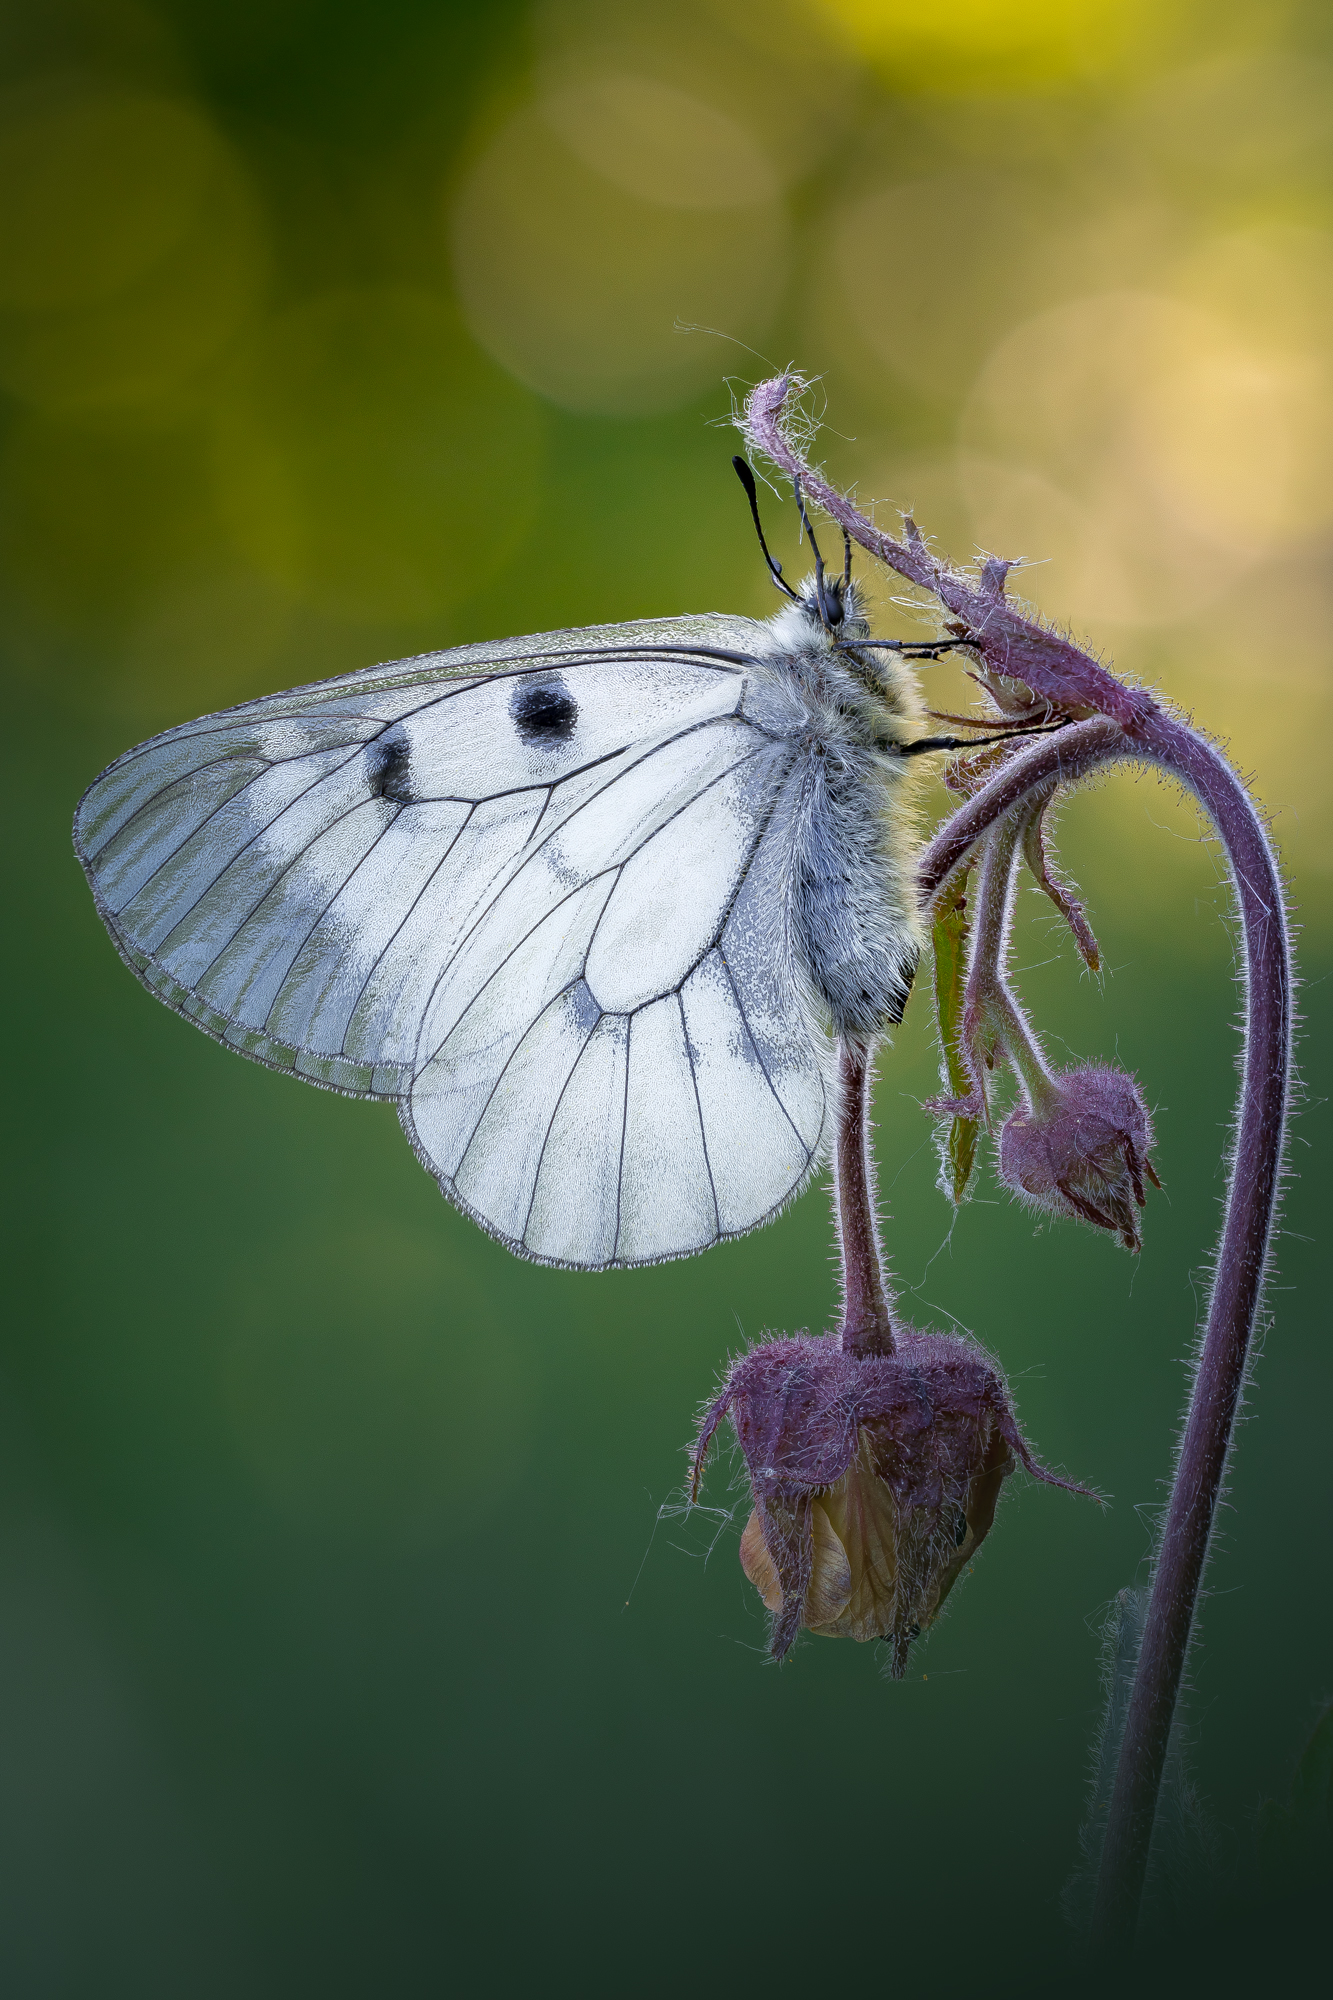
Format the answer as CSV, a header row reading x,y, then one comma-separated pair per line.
x,y
1242,1254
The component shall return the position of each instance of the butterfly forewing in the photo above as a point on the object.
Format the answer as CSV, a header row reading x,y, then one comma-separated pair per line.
x,y
530,891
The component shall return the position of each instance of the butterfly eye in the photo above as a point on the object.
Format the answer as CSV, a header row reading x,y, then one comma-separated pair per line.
x,y
834,610
544,712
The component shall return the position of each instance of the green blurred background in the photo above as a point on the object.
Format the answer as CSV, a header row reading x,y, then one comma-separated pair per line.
x,y
339,1652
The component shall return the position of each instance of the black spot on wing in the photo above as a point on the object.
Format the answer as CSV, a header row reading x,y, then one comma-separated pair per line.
x,y
389,768
543,711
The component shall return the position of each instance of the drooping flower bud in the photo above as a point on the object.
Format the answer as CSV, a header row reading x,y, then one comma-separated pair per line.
x,y
875,1479
1082,1150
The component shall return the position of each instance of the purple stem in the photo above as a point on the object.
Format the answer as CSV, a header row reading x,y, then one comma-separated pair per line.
x,y
1242,1254
866,1326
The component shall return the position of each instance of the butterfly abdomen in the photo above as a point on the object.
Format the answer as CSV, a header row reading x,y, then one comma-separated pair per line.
x,y
850,917
851,924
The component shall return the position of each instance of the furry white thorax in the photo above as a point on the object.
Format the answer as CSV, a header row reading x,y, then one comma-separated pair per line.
x,y
852,928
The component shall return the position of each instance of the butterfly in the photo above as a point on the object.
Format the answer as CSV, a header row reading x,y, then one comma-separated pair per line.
x,y
592,908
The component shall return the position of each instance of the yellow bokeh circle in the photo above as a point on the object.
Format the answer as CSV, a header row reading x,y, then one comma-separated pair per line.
x,y
961,45
584,254
1146,447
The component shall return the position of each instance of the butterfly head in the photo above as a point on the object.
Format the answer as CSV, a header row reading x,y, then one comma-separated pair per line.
x,y
835,605
830,601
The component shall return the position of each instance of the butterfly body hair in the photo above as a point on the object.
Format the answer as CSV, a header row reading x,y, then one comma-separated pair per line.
x,y
850,920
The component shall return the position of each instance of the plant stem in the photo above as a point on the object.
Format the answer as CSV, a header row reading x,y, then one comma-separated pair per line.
x,y
1242,1255
990,1000
866,1326
1238,1279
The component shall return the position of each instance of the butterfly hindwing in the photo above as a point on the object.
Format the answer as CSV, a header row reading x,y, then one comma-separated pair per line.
x,y
529,891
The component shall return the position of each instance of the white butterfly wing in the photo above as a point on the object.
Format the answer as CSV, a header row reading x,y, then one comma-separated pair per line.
x,y
531,891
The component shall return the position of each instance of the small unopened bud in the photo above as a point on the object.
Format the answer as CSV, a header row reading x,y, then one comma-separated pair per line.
x,y
1082,1151
875,1479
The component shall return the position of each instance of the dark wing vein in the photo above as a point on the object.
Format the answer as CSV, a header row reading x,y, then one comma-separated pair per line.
x,y
522,1236
245,847
516,947
693,799
531,856
228,718
197,771
544,784
550,794
624,1128
398,930
759,1058
511,1057
699,1110
278,881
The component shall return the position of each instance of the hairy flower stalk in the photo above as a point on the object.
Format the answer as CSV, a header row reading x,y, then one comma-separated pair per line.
x,y
1109,722
866,1327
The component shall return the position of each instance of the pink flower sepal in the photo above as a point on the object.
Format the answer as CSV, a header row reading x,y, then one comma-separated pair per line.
x,y
875,1479
1083,1152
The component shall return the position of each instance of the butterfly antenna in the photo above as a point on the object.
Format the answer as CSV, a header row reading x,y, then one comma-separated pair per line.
x,y
814,550
846,559
746,477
